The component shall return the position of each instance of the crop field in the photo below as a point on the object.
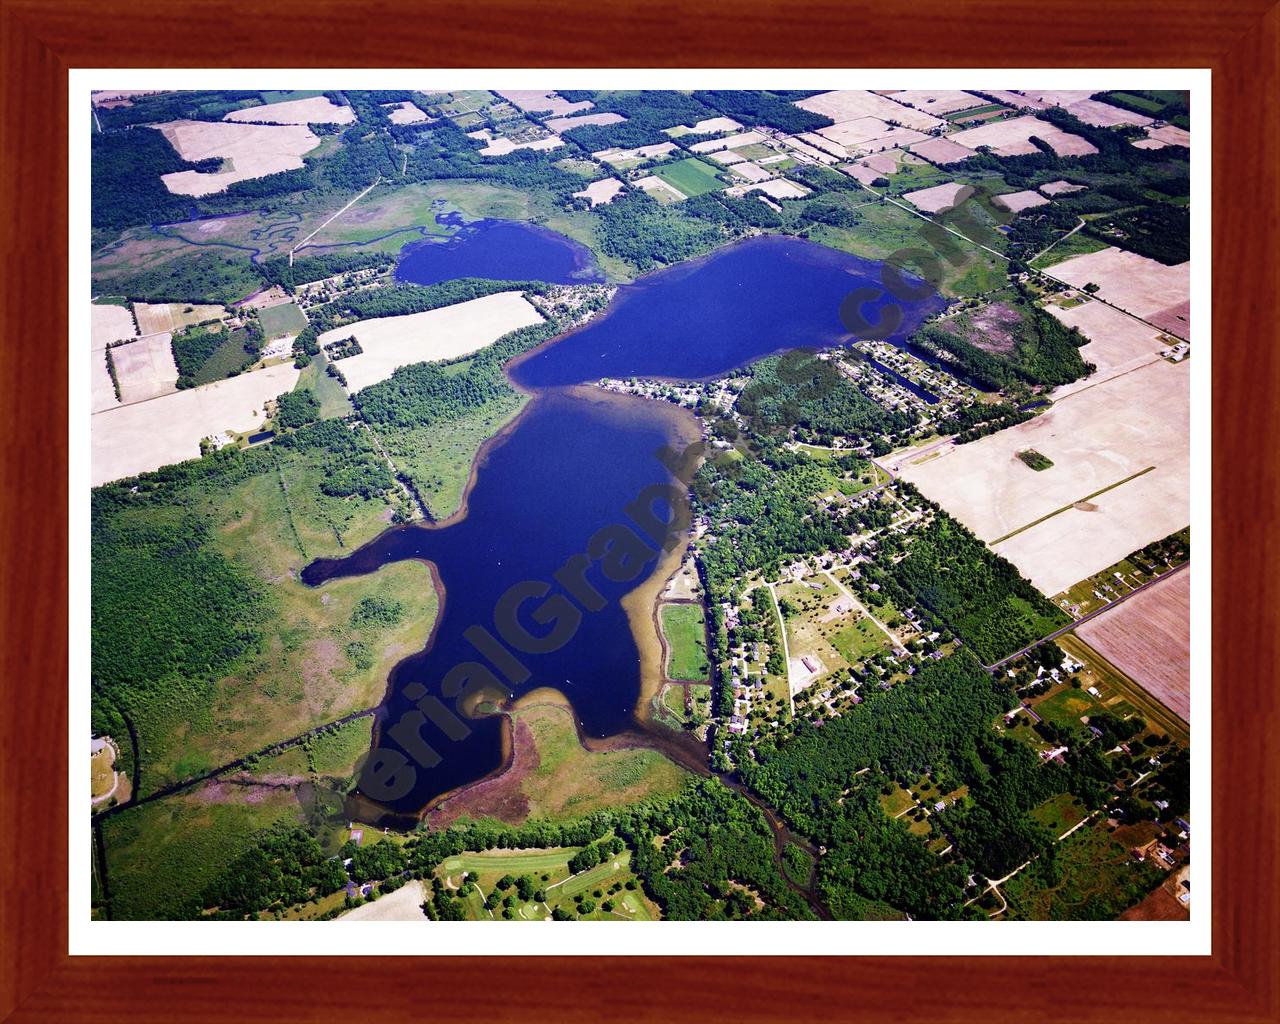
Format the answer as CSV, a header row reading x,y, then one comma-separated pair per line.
x,y
311,110
153,318
536,100
685,632
137,438
110,323
942,152
1149,639
328,392
1012,137
280,320
145,368
1120,478
603,191
448,332
691,177
247,151
937,197
848,104
1138,285
937,101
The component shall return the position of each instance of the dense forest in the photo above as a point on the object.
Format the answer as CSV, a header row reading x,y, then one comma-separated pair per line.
x,y
981,597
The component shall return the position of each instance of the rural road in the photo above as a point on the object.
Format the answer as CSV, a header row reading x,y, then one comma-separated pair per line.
x,y
1085,618
786,650
913,453
862,608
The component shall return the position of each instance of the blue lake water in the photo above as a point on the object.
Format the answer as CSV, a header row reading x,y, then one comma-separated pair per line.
x,y
568,469
703,318
501,250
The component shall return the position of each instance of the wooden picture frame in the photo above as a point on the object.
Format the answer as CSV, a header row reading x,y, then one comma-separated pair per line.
x,y
42,39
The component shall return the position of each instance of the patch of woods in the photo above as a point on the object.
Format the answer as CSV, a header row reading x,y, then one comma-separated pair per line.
x,y
1041,350
209,351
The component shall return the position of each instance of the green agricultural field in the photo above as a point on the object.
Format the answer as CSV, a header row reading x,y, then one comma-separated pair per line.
x,y
287,96
1078,244
277,321
693,177
685,631
328,392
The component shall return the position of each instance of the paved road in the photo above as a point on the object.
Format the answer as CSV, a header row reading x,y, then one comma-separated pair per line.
x,y
1085,618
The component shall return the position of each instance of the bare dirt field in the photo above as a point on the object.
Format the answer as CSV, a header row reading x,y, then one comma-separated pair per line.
x,y
145,368
1057,188
1016,202
497,145
942,152
137,438
937,101
390,342
1136,284
102,393
119,97
618,157
1014,99
1167,135
534,100
1117,342
705,127
313,110
1103,439
938,197
252,150
1148,637
779,188
866,135
563,124
404,113
660,190
108,324
809,150
847,104
1012,137
728,142
603,191
405,904
153,318
752,171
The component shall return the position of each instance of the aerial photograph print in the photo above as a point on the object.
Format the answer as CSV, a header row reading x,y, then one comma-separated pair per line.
x,y
637,505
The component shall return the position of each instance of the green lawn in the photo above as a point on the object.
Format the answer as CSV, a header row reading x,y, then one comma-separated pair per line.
x,y
1059,813
859,639
686,636
692,176
277,321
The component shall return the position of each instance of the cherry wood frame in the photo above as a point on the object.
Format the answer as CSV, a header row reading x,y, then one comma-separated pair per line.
x,y
41,39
